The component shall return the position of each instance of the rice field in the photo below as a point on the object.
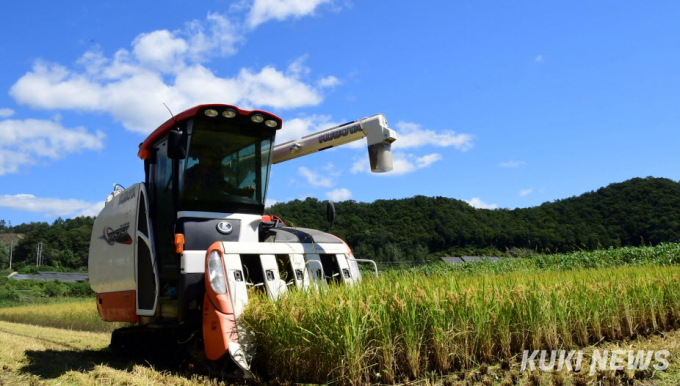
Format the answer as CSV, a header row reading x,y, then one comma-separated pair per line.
x,y
662,254
403,324
67,313
440,319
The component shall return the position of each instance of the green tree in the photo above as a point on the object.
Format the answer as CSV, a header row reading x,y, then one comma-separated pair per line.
x,y
4,256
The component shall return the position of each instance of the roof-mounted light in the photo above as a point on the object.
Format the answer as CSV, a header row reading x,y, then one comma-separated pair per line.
x,y
257,118
271,123
229,113
211,113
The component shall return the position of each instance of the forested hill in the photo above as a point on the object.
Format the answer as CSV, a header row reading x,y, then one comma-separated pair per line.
x,y
641,210
634,212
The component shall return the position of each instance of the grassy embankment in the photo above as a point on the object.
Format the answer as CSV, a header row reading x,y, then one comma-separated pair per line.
x,y
51,303
68,313
440,319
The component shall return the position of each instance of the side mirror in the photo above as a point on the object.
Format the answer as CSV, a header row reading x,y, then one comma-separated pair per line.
x,y
177,145
330,212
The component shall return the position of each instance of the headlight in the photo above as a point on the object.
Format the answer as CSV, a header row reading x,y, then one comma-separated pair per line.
x,y
211,113
216,273
229,113
270,123
257,118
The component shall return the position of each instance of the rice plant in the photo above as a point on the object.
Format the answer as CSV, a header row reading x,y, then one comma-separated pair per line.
x,y
404,323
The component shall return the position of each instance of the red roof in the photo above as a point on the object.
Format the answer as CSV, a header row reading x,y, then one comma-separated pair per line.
x,y
144,147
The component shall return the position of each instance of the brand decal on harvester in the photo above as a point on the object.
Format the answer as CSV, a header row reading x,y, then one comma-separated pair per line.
x,y
224,227
119,235
127,195
341,132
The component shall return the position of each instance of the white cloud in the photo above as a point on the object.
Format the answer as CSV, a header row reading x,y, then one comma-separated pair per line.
x,y
163,67
91,211
160,50
298,67
264,10
219,36
4,113
329,81
50,206
426,161
24,142
413,135
403,163
341,194
315,179
269,202
512,164
479,204
525,192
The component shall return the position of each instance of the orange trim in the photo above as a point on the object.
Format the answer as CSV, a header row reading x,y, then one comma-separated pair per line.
x,y
266,217
179,243
218,331
117,306
144,147
219,322
220,301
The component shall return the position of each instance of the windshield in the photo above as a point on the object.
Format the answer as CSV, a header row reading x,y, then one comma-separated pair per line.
x,y
227,167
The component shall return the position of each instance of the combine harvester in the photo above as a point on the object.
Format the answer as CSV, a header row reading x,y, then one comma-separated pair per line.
x,y
177,254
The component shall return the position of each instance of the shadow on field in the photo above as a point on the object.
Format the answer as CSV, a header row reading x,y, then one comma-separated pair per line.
x,y
51,364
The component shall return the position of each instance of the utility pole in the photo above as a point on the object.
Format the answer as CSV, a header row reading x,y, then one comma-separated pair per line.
x,y
11,249
38,256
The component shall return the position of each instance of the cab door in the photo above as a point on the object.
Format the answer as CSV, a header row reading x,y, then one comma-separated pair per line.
x,y
146,271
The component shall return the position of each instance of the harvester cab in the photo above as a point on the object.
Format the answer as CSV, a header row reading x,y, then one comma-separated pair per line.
x,y
181,252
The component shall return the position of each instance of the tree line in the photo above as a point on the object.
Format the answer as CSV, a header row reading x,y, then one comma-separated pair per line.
x,y
65,244
640,211
632,213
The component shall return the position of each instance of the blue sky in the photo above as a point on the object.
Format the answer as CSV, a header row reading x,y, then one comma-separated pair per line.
x,y
496,103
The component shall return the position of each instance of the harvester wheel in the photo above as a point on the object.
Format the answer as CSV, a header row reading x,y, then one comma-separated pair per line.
x,y
123,340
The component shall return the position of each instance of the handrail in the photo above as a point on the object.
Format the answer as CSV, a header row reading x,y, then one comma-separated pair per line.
x,y
375,266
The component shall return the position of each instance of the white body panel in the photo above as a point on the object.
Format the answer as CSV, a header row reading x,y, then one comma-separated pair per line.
x,y
194,261
315,268
343,263
238,293
297,261
237,288
111,264
275,286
